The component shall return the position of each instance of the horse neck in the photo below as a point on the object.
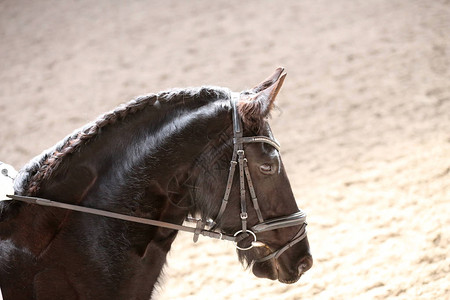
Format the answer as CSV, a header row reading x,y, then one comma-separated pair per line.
x,y
129,168
136,166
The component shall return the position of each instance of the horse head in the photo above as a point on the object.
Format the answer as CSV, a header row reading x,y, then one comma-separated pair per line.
x,y
280,251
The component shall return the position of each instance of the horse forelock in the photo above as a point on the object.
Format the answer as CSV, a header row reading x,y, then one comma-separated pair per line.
x,y
40,168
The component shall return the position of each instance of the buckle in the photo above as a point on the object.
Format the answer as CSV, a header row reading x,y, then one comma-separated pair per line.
x,y
251,244
244,216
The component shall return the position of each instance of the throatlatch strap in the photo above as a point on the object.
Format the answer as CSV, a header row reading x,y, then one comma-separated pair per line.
x,y
232,170
234,161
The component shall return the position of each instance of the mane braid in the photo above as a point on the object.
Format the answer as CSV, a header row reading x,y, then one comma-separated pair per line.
x,y
73,142
40,168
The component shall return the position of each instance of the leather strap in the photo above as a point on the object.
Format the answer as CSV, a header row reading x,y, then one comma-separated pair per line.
x,y
297,218
234,161
257,139
252,192
104,213
301,234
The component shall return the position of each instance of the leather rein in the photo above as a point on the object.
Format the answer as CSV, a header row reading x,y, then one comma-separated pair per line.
x,y
238,158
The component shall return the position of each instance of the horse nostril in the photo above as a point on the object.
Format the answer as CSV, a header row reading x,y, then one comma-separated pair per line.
x,y
305,264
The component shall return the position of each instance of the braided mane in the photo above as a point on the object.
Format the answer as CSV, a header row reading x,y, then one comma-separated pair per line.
x,y
41,167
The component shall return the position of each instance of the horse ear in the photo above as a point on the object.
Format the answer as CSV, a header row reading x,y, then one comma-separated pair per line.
x,y
256,106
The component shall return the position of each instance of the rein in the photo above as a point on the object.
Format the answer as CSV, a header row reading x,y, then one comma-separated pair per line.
x,y
105,213
238,159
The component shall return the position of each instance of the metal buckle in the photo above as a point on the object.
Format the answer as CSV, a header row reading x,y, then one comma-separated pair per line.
x,y
251,245
244,216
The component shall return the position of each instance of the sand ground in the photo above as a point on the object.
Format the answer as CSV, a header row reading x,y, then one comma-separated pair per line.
x,y
364,121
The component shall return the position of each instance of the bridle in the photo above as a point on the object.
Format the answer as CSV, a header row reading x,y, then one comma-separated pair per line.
x,y
238,159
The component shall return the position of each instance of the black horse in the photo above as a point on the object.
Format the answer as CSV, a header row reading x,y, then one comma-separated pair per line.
x,y
161,157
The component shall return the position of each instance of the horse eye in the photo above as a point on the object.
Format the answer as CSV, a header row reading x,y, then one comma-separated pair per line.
x,y
266,169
